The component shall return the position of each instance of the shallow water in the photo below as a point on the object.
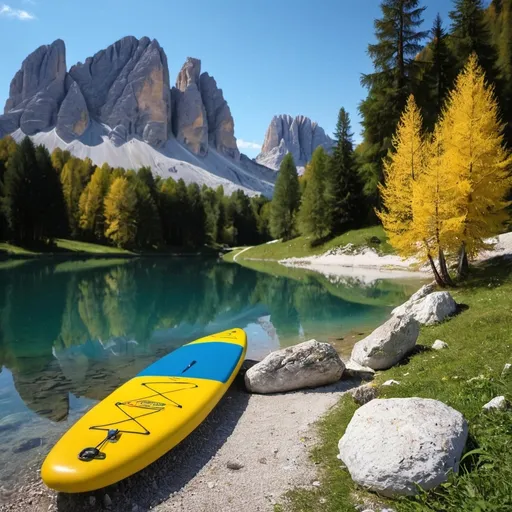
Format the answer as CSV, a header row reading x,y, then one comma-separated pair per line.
x,y
73,331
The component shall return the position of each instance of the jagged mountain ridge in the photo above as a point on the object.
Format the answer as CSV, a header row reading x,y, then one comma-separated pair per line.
x,y
118,107
299,136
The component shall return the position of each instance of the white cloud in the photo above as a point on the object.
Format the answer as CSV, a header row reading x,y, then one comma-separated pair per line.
x,y
19,14
243,144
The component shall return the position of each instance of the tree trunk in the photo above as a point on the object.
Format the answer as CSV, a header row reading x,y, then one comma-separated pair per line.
x,y
437,277
444,269
463,267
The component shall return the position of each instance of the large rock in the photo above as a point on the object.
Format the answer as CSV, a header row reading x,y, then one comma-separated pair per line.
x,y
428,310
73,118
390,446
36,91
221,127
127,88
307,365
406,307
388,344
190,124
298,136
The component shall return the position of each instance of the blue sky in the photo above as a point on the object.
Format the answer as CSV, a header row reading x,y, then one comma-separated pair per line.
x,y
269,56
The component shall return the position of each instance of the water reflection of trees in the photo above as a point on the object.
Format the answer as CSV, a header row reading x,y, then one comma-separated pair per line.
x,y
48,309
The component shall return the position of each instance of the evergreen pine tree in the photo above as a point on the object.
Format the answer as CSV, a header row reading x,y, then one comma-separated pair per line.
x,y
285,201
439,75
393,56
470,34
313,216
121,213
345,205
149,225
51,209
20,204
195,234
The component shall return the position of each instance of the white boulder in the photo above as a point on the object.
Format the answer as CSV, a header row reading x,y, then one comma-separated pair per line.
x,y
498,402
506,370
439,345
434,308
388,344
307,365
406,307
392,445
391,382
353,369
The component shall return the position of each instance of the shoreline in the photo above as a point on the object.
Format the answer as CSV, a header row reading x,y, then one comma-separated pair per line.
x,y
246,455
368,265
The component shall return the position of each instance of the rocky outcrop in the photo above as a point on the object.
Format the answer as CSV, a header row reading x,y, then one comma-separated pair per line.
x,y
391,446
190,123
428,309
298,136
73,118
127,88
307,365
388,344
36,91
221,127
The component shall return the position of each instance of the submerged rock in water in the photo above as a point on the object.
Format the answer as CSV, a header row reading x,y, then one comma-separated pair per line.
x,y
28,444
307,365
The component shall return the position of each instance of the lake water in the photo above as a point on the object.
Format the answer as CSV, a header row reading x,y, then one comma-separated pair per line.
x,y
72,331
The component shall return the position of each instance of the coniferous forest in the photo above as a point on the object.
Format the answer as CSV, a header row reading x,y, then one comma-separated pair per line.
x,y
422,80
51,196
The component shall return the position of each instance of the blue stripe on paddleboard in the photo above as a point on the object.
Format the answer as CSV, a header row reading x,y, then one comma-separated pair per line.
x,y
213,360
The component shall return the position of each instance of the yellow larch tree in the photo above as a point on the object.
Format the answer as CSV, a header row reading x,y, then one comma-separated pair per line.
x,y
120,213
91,206
433,206
402,167
476,162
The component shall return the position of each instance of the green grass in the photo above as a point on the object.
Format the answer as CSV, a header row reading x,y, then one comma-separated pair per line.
x,y
228,257
301,246
86,247
14,249
480,343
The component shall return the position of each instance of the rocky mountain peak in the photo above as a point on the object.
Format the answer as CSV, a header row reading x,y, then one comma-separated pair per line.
x,y
124,92
299,136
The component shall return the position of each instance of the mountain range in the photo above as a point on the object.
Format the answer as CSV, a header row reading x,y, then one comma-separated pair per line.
x,y
119,107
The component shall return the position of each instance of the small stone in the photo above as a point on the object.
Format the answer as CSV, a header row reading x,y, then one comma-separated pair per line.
x,y
263,460
316,483
235,466
107,501
497,403
210,485
506,370
322,500
439,345
92,501
391,382
364,394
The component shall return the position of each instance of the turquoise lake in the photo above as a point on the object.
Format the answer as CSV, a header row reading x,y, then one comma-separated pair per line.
x,y
72,331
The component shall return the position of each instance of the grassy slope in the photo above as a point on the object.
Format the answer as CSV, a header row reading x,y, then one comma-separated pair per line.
x,y
14,249
301,246
63,246
76,246
480,343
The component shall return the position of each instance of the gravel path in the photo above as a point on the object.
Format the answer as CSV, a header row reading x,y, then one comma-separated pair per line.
x,y
244,457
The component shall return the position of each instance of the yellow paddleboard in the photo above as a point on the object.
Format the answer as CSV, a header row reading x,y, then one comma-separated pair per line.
x,y
146,417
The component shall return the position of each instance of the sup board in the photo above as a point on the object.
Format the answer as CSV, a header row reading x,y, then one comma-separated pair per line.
x,y
147,416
